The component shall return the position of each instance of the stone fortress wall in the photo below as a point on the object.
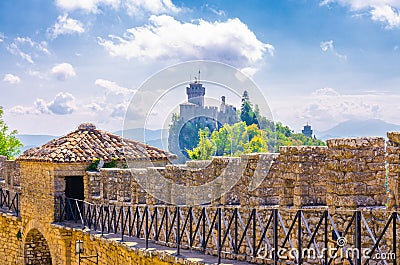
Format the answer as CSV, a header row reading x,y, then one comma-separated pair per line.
x,y
347,174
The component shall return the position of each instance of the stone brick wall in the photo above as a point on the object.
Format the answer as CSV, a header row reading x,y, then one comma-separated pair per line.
x,y
9,173
3,174
36,249
11,248
37,199
393,159
347,173
109,185
356,172
304,172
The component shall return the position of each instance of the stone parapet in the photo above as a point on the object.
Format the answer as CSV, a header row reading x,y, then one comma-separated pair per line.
x,y
393,160
356,172
303,170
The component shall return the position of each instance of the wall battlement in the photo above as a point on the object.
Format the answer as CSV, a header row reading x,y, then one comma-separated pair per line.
x,y
346,173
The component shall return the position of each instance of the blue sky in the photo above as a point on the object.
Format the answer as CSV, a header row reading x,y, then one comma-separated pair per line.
x,y
65,62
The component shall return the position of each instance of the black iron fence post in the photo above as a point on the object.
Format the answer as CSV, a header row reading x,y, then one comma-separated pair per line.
x,y
203,214
156,223
235,212
299,235
394,243
191,227
325,253
358,236
275,250
17,206
146,209
254,233
166,224
122,222
219,212
178,232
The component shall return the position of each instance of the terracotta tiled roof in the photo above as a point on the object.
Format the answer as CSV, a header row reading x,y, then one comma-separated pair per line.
x,y
87,143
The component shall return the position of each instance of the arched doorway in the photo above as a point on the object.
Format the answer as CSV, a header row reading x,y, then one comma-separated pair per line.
x,y
36,249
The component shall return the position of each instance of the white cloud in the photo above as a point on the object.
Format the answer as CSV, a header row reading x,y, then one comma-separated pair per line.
x,y
326,91
14,49
384,11
217,12
249,71
11,79
27,44
1,37
112,87
41,106
326,107
63,71
137,7
95,107
62,104
119,111
132,7
36,73
40,46
168,39
387,15
328,46
66,25
21,110
90,6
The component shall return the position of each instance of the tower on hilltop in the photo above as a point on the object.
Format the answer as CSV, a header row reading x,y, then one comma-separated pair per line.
x,y
307,131
196,92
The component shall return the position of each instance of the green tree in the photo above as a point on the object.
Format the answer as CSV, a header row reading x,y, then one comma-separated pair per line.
x,y
286,137
257,140
237,139
230,139
205,148
246,110
10,146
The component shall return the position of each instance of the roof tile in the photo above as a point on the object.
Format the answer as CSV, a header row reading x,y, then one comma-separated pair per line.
x,y
87,143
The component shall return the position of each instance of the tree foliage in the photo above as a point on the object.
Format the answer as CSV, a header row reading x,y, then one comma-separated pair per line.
x,y
205,148
9,143
253,134
246,110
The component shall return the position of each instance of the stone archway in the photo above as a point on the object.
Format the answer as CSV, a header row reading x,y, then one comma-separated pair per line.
x,y
36,249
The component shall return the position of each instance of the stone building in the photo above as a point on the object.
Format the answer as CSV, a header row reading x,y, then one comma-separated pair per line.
x,y
307,131
196,113
67,158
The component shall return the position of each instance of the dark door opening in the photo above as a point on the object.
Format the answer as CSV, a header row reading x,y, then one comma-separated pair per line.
x,y
74,187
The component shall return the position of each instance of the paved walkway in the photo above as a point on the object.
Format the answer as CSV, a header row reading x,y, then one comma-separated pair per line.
x,y
186,257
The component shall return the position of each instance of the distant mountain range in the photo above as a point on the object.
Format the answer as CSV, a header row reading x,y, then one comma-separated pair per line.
x,y
34,140
359,128
350,128
151,137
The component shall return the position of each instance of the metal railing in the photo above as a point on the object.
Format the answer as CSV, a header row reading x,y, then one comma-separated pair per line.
x,y
240,231
9,201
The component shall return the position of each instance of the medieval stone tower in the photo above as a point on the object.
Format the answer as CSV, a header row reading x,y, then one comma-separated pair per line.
x,y
195,113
